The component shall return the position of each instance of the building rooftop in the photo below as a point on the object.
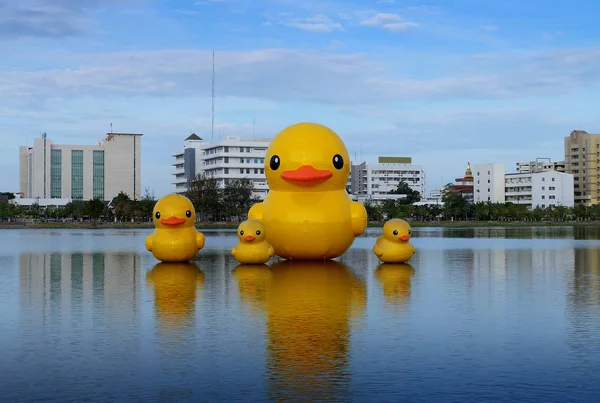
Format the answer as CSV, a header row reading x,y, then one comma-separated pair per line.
x,y
193,136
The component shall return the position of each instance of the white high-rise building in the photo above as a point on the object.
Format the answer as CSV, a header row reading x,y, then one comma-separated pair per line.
x,y
376,181
543,189
232,158
79,172
488,183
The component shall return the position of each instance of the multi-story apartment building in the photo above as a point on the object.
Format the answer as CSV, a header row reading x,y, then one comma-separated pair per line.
x,y
488,183
543,189
232,158
540,165
582,154
376,181
79,172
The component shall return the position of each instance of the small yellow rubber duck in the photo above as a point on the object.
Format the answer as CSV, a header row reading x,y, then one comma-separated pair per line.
x,y
253,247
395,279
308,213
175,238
394,245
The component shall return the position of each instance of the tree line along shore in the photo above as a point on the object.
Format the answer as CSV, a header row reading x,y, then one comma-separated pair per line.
x,y
226,207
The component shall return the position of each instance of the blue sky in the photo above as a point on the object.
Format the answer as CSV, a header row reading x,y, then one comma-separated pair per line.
x,y
443,82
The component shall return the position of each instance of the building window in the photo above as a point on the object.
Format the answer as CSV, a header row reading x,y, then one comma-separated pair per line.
x,y
98,174
226,170
56,174
77,174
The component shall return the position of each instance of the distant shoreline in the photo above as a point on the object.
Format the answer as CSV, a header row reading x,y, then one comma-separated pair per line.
x,y
209,225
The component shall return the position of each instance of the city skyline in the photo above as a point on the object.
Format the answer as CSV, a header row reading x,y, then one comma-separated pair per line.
x,y
442,84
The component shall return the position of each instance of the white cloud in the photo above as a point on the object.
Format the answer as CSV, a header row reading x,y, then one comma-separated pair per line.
x,y
513,97
489,28
303,76
319,23
48,18
390,22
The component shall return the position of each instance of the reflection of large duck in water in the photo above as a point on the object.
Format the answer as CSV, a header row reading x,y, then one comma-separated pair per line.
x,y
175,291
395,279
309,307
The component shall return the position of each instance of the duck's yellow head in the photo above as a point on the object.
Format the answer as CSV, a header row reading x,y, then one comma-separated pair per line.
x,y
308,157
174,211
397,230
251,231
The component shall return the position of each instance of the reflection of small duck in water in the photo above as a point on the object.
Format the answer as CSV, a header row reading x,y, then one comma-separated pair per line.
x,y
309,307
253,247
253,281
175,290
395,279
394,245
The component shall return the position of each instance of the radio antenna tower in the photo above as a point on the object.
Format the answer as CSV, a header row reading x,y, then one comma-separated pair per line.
x,y
212,134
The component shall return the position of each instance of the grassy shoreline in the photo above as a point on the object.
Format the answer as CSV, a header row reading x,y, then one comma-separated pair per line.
x,y
209,225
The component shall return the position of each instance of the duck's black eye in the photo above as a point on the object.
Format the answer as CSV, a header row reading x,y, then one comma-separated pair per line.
x,y
338,161
409,232
188,214
395,232
157,215
257,232
275,162
242,232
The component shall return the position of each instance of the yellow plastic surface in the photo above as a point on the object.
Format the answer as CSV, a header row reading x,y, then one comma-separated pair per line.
x,y
175,238
394,245
252,247
308,214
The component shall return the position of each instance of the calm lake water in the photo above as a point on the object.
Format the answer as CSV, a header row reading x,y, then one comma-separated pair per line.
x,y
479,315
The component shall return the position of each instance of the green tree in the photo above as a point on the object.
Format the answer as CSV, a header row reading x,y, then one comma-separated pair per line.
x,y
145,205
123,207
412,196
94,208
206,196
456,207
237,197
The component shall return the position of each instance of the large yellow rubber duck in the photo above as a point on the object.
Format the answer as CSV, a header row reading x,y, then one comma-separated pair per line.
x,y
252,247
175,238
176,286
394,245
308,213
395,279
311,308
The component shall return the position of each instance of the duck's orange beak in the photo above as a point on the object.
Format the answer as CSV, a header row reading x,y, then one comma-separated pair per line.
x,y
306,173
249,238
403,238
173,221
